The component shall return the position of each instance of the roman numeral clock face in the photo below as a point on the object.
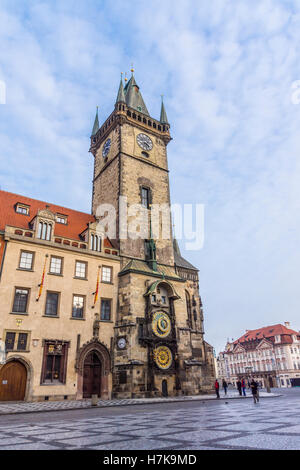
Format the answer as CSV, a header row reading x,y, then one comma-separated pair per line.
x,y
144,142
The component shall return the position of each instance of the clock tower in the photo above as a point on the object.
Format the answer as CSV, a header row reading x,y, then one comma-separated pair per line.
x,y
130,151
158,346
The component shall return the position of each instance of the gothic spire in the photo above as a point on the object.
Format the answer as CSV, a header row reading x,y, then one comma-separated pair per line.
x,y
133,96
121,95
163,114
96,124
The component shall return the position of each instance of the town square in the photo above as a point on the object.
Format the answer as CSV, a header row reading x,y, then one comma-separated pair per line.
x,y
149,228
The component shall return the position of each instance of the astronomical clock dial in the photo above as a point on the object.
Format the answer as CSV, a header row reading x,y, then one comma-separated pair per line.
x,y
163,357
106,148
121,343
161,324
144,142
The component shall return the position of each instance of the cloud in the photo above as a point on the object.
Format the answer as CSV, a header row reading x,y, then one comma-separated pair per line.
x,y
226,70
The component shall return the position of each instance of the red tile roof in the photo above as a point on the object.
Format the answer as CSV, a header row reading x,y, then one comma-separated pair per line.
x,y
77,221
268,332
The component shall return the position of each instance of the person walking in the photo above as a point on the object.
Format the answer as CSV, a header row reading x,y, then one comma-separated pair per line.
x,y
254,390
225,386
217,386
239,387
243,384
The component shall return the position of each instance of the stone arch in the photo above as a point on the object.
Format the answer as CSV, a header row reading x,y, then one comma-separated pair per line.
x,y
102,352
29,369
172,294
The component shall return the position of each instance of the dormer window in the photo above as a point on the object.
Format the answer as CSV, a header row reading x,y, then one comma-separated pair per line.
x,y
61,219
45,231
22,209
95,242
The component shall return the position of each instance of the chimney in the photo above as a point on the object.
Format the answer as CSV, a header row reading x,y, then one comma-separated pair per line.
x,y
287,324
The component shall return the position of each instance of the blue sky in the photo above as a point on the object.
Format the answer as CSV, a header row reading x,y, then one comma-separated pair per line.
x,y
226,70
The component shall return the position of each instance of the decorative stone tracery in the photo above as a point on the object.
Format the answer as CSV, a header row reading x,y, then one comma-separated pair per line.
x,y
94,345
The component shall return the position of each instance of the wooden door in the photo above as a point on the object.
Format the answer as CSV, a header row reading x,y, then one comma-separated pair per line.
x,y
92,375
13,377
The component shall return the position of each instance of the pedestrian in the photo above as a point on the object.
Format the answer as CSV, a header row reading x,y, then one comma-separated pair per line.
x,y
239,387
254,389
217,386
225,386
243,383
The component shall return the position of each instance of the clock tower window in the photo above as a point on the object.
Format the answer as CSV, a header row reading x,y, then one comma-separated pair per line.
x,y
145,197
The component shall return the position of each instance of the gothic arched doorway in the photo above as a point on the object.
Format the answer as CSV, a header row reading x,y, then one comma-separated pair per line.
x,y
92,375
13,378
93,366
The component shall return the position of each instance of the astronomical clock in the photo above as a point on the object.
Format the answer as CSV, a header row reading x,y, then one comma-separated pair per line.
x,y
158,331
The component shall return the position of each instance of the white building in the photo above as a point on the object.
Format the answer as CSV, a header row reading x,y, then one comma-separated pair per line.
x,y
270,354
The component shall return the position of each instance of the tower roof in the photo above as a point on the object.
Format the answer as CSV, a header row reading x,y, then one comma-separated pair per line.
x,y
133,96
96,124
121,94
179,260
163,114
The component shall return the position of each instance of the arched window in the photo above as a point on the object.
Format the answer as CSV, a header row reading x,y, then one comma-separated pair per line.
x,y
95,242
45,231
49,231
40,230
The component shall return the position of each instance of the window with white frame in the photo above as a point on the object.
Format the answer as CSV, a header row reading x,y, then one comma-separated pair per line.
x,y
22,209
55,265
80,269
78,306
106,274
61,219
26,260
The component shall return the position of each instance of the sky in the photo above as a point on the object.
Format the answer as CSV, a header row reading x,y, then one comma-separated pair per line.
x,y
228,71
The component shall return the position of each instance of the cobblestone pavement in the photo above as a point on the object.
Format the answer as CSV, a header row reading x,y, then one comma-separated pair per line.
x,y
25,407
233,424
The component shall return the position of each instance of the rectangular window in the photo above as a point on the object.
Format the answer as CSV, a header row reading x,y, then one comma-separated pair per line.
x,y
51,304
145,196
105,309
106,274
54,362
16,341
22,209
78,306
26,260
61,219
21,300
10,341
55,265
80,269
22,342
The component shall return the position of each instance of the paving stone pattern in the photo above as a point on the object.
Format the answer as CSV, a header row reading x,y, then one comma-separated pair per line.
x,y
237,424
25,407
